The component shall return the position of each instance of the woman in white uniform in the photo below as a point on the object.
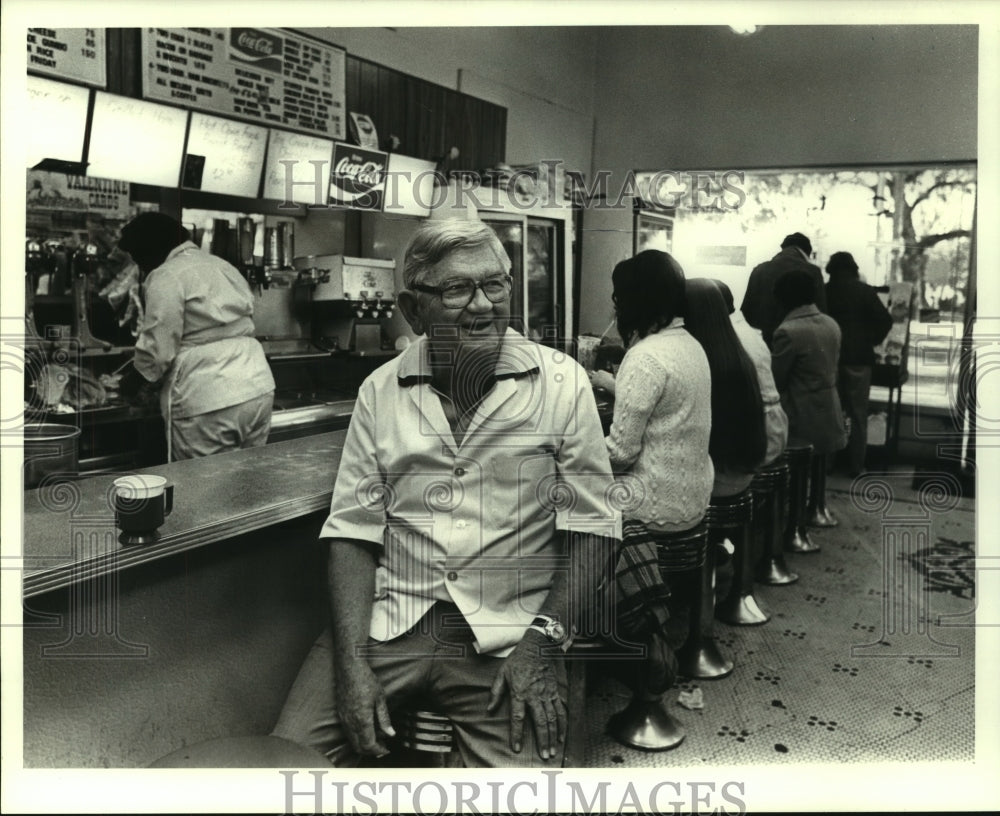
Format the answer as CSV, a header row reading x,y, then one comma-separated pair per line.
x,y
197,337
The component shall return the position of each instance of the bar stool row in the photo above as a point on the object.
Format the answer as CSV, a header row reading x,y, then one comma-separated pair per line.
x,y
762,524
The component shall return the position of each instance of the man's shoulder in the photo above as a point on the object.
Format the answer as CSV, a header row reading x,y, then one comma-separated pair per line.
x,y
389,372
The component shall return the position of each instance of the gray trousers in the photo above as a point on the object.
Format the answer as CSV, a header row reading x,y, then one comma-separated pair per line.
x,y
245,425
854,384
434,664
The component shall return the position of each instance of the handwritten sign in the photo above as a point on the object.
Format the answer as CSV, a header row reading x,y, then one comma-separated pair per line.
x,y
260,75
69,53
56,119
298,168
137,141
229,155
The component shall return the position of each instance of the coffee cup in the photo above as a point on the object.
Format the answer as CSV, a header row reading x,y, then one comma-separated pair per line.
x,y
141,501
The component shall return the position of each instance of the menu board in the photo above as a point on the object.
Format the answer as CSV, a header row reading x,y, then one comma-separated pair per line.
x,y
261,75
224,156
70,53
298,168
136,141
56,119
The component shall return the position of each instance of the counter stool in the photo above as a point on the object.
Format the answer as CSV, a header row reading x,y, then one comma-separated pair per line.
x,y
425,739
818,515
646,723
770,514
732,517
687,564
243,752
796,537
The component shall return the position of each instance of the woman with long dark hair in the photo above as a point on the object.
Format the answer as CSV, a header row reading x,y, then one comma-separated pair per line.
x,y
658,444
738,440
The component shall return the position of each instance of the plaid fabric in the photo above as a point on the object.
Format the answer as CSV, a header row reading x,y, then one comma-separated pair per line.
x,y
642,594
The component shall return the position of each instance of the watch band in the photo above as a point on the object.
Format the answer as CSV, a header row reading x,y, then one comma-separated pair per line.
x,y
550,627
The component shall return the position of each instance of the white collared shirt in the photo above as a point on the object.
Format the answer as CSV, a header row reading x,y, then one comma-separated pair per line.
x,y
472,521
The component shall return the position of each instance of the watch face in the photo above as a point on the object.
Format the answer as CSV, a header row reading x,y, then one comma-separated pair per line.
x,y
555,631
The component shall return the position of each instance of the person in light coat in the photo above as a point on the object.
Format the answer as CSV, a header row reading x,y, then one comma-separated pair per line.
x,y
804,354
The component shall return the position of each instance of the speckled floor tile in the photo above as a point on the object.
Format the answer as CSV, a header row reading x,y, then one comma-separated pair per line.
x,y
868,657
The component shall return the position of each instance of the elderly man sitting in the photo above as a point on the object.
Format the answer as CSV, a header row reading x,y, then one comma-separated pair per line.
x,y
470,526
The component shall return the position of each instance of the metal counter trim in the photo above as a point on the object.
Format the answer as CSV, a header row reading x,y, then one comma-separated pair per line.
x,y
49,537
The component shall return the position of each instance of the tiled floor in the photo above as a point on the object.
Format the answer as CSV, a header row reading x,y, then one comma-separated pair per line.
x,y
868,657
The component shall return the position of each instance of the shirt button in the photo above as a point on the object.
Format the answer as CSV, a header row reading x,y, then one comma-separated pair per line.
x,y
459,471
452,576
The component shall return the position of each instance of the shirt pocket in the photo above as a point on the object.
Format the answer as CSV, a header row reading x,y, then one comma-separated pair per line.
x,y
523,488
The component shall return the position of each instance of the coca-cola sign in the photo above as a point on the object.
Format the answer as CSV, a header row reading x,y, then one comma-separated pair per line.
x,y
260,49
358,177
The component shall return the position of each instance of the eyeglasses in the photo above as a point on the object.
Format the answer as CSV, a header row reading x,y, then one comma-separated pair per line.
x,y
458,293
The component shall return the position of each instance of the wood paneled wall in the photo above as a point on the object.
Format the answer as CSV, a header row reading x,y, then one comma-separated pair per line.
x,y
428,118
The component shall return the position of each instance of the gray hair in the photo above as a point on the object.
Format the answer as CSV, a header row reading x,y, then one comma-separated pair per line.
x,y
436,240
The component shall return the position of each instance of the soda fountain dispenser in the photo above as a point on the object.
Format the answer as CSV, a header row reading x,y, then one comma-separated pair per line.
x,y
360,290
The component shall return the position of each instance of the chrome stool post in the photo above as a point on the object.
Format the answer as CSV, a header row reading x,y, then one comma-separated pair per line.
x,y
818,515
732,517
699,657
796,537
770,491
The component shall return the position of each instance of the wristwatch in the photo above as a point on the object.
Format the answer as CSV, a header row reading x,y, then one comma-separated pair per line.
x,y
550,627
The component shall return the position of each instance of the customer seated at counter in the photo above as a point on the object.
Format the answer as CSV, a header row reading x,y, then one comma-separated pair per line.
x,y
737,443
775,421
196,339
659,446
446,527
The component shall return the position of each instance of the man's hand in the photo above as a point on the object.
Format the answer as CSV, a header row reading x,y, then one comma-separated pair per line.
x,y
363,709
529,677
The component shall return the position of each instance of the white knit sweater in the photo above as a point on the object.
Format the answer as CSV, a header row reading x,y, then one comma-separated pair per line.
x,y
660,430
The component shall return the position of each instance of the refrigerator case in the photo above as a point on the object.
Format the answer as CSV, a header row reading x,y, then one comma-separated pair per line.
x,y
542,274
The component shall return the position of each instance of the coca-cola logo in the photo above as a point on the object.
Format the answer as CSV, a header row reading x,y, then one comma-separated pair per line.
x,y
259,48
363,174
358,177
257,43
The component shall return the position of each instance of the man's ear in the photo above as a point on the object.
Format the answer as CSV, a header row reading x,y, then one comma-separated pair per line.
x,y
410,307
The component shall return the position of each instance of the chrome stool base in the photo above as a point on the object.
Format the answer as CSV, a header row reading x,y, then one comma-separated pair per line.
x,y
821,517
774,572
646,724
801,543
705,662
732,516
742,610
771,486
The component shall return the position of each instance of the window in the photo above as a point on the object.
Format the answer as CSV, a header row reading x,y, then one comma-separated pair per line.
x,y
909,224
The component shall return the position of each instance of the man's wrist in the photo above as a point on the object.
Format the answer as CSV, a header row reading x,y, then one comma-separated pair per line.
x,y
549,628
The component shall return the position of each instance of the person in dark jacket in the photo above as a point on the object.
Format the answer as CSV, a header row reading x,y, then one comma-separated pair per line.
x,y
864,323
759,305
